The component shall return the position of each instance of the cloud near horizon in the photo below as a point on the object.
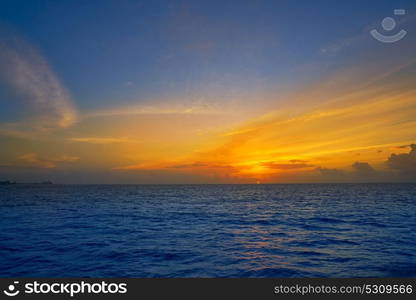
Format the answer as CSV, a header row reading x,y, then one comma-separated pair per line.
x,y
33,160
404,163
400,167
347,138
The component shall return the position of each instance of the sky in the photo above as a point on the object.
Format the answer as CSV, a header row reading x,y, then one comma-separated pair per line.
x,y
159,92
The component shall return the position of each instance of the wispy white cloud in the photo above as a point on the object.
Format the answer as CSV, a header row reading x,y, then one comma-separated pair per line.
x,y
103,140
195,107
30,79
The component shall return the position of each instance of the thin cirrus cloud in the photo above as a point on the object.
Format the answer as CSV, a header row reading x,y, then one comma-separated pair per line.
x,y
283,166
196,107
103,140
27,75
34,160
287,145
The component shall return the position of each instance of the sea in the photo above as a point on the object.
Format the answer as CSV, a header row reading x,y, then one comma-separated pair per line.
x,y
276,230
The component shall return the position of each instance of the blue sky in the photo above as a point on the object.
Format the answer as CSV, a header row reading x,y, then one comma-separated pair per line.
x,y
106,51
156,81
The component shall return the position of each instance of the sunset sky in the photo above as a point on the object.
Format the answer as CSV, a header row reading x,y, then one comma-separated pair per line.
x,y
206,92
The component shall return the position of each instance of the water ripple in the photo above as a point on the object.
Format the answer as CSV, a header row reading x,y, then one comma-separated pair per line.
x,y
321,230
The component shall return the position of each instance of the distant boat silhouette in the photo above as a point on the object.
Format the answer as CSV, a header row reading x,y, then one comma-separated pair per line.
x,y
7,182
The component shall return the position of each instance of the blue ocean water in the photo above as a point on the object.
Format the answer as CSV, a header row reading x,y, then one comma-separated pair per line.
x,y
305,230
